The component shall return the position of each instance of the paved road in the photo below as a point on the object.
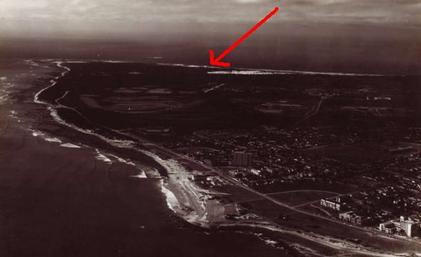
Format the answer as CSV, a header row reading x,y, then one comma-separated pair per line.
x,y
298,191
313,111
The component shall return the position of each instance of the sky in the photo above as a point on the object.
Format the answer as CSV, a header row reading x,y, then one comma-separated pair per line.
x,y
84,17
343,35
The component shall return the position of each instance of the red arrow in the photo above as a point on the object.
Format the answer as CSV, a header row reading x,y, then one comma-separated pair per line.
x,y
217,61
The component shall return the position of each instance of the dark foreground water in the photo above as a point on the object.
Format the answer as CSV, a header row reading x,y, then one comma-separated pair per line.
x,y
109,217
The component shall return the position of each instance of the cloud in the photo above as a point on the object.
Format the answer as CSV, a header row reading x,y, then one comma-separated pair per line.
x,y
247,1
113,14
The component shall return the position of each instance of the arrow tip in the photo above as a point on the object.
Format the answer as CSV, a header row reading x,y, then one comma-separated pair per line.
x,y
216,62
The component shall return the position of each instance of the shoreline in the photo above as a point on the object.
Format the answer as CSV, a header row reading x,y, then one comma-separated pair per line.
x,y
188,206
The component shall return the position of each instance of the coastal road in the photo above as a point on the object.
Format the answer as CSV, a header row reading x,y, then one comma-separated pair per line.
x,y
334,194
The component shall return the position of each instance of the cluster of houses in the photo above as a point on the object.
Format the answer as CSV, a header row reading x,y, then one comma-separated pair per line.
x,y
405,226
345,214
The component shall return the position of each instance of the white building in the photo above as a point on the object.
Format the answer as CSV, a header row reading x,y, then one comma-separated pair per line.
x,y
334,204
408,226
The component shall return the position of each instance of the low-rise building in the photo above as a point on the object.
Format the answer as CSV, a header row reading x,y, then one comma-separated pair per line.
x,y
408,226
387,227
351,217
334,204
